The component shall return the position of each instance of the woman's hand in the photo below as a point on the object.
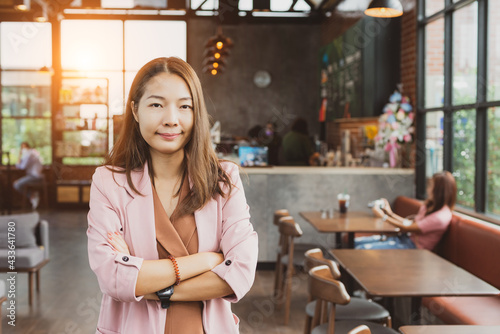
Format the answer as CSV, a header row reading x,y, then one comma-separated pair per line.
x,y
387,206
118,243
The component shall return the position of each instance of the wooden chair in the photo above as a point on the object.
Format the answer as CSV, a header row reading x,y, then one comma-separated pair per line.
x,y
325,289
289,230
299,249
278,214
363,329
356,309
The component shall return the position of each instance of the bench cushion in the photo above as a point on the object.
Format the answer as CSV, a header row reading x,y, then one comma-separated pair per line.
x,y
465,310
406,206
24,230
25,257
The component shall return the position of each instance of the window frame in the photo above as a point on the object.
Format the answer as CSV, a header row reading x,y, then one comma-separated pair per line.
x,y
481,104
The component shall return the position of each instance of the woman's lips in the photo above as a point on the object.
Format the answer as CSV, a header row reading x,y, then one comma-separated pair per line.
x,y
169,136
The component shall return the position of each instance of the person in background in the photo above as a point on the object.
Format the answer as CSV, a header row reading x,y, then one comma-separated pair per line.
x,y
30,161
298,149
428,226
169,232
272,140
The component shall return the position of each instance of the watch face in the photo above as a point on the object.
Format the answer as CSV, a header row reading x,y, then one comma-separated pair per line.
x,y
262,79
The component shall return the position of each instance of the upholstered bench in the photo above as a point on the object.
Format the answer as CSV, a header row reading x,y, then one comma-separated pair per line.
x,y
474,246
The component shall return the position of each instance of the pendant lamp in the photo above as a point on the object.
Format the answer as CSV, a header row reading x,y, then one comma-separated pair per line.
x,y
384,8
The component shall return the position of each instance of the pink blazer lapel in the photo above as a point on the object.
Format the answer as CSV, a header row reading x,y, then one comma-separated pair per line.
x,y
141,236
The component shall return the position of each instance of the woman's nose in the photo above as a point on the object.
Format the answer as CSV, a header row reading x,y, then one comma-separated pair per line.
x,y
170,116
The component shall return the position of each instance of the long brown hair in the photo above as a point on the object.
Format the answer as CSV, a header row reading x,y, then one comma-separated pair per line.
x,y
444,192
131,151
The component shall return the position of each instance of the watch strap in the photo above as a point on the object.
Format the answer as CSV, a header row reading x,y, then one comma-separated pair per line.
x,y
164,295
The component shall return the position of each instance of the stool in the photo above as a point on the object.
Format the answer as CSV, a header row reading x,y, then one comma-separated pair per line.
x,y
41,187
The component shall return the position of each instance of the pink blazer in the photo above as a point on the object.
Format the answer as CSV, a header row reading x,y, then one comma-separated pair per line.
x,y
223,226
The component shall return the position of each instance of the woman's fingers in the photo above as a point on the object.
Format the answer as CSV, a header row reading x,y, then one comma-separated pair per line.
x,y
118,243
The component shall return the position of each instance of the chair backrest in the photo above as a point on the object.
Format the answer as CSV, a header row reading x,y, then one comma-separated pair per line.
x,y
289,230
324,288
279,214
287,226
361,329
314,257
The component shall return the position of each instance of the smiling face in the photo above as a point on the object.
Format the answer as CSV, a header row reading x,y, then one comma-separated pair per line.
x,y
165,114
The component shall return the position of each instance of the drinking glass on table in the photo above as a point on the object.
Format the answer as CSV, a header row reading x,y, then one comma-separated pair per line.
x,y
343,199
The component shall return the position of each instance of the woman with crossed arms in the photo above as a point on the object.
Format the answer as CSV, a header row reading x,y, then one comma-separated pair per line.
x,y
169,236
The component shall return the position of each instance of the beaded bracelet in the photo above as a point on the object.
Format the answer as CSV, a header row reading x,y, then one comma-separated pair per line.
x,y
176,269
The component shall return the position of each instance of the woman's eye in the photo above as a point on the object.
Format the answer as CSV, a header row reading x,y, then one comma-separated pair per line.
x,y
155,105
186,106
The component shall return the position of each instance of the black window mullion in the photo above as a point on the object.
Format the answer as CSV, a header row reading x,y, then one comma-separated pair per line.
x,y
448,90
481,113
420,172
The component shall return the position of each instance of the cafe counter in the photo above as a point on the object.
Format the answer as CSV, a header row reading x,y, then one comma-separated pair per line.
x,y
312,189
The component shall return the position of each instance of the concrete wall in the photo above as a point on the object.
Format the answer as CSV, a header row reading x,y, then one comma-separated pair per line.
x,y
289,52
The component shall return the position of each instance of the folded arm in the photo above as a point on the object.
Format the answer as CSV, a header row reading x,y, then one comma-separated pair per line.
x,y
405,225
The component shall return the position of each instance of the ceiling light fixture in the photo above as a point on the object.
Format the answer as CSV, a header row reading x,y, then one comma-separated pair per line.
x,y
216,53
384,8
22,5
39,9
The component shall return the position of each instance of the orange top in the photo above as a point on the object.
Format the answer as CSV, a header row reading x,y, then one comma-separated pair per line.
x,y
178,237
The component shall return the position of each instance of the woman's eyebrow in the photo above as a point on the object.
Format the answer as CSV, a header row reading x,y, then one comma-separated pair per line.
x,y
185,98
155,97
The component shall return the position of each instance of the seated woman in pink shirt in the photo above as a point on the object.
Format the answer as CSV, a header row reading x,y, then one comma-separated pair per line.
x,y
428,226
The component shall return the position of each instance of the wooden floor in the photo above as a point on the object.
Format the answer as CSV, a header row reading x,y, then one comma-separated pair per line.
x,y
69,299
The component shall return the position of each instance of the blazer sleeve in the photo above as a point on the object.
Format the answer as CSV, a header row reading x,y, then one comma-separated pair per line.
x,y
239,242
116,272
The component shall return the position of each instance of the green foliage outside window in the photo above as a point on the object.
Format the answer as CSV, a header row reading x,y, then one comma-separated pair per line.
x,y
493,165
464,155
37,132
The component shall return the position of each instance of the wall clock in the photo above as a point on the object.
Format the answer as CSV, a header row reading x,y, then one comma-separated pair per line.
x,y
262,79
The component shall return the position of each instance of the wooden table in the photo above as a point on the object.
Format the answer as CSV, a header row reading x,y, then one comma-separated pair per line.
x,y
450,329
352,222
412,273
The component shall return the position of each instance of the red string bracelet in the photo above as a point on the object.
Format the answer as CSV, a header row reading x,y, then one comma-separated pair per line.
x,y
176,269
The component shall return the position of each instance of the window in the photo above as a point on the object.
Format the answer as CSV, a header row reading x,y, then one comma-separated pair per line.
x,y
434,143
465,55
434,64
464,155
493,171
460,85
26,91
109,49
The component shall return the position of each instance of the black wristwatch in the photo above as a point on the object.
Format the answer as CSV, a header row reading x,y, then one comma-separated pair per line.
x,y
165,295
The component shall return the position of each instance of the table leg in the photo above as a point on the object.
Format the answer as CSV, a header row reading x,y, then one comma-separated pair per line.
x,y
416,313
350,240
338,240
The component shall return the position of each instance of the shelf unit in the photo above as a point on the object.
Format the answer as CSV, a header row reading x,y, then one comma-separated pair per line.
x,y
81,124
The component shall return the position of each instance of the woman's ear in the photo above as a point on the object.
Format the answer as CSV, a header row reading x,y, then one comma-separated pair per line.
x,y
134,111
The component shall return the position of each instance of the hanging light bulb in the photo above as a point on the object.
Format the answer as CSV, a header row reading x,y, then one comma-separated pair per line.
x,y
22,5
40,11
216,53
384,8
